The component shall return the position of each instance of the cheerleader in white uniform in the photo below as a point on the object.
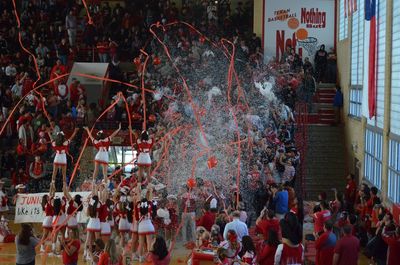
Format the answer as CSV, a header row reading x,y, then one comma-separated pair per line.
x,y
122,210
145,143
93,226
134,226
102,143
60,145
48,209
74,206
104,216
146,208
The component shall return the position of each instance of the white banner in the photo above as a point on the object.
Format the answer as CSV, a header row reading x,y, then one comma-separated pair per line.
x,y
303,25
28,208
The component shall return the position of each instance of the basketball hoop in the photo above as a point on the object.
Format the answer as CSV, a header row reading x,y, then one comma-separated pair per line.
x,y
308,44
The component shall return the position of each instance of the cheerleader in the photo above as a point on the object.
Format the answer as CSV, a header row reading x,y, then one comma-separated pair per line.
x,y
104,216
122,211
59,219
3,200
60,145
93,226
74,206
48,209
146,208
102,143
145,143
134,224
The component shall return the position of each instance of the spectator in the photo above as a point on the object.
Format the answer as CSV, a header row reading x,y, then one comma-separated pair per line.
x,y
207,219
325,245
26,243
71,247
102,50
321,217
267,222
321,61
346,249
267,254
71,26
338,104
350,192
248,253
281,201
236,225
392,239
63,51
36,172
159,253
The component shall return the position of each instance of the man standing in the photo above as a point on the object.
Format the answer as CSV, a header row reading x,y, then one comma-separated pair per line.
x,y
188,200
70,25
280,200
350,193
238,226
347,249
325,245
36,172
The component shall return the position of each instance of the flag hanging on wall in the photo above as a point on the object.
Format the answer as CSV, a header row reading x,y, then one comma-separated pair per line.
x,y
350,6
370,16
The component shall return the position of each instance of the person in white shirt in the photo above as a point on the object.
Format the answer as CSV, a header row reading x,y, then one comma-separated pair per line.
x,y
238,226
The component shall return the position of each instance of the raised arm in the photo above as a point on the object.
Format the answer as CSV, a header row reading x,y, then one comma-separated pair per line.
x,y
73,134
66,193
116,131
89,133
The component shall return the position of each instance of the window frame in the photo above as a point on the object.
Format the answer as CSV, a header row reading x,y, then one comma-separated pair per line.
x,y
373,156
343,27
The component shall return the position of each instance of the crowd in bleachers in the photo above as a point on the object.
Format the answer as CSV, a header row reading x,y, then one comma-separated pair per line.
x,y
59,33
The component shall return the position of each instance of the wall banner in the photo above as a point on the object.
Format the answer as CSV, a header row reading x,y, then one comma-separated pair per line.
x,y
28,208
302,24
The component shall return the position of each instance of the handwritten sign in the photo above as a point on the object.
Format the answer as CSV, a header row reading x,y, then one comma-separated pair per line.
x,y
28,208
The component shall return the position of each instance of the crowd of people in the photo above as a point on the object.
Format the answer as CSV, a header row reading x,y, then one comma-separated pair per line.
x,y
146,208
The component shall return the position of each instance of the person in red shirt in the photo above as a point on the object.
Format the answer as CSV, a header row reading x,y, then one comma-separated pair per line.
x,y
321,217
102,49
71,247
393,242
20,178
347,249
325,245
267,222
207,219
350,192
267,254
73,90
36,172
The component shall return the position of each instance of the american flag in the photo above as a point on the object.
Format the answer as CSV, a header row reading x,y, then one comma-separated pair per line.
x,y
350,6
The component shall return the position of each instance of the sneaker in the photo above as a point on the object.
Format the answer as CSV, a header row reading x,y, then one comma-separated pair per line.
x,y
42,250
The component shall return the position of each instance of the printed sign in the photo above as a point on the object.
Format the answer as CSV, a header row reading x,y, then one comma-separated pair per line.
x,y
303,25
28,208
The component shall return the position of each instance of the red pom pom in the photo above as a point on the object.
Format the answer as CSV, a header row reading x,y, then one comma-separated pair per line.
x,y
212,162
156,61
202,39
191,182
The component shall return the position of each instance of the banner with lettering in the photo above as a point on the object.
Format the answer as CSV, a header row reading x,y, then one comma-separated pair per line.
x,y
28,208
304,25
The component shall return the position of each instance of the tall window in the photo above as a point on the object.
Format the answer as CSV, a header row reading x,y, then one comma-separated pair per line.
x,y
381,68
343,22
357,45
394,171
395,91
120,156
373,157
355,100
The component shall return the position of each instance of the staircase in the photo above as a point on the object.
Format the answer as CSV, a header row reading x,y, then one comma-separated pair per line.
x,y
323,112
325,165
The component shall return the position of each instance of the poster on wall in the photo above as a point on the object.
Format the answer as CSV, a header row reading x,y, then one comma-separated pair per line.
x,y
28,208
301,24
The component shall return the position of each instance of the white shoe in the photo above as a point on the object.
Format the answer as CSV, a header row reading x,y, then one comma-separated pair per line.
x,y
42,249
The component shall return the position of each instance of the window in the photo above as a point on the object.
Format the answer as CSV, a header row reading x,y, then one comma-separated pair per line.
x,y
121,155
394,171
373,157
395,92
357,45
355,100
381,68
343,22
